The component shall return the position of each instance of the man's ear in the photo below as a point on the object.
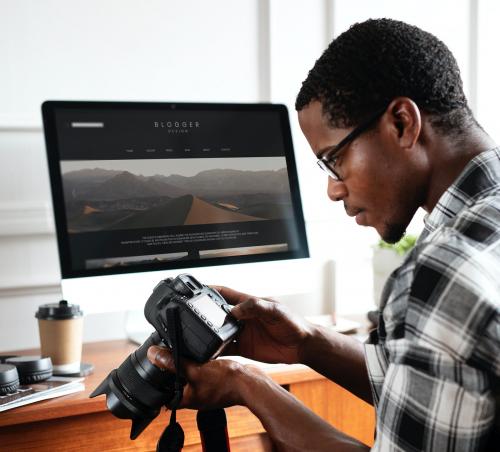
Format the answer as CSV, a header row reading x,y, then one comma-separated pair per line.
x,y
404,116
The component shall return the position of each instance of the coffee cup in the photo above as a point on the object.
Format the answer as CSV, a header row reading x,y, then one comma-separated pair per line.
x,y
61,329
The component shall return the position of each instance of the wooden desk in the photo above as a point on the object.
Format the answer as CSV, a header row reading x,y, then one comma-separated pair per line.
x,y
77,423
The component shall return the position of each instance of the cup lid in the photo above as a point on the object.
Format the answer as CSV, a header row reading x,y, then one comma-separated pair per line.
x,y
58,311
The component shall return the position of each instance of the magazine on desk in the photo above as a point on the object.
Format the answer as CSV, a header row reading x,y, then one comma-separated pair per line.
x,y
48,389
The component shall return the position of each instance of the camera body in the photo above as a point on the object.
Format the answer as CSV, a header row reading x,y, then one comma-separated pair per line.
x,y
137,389
206,323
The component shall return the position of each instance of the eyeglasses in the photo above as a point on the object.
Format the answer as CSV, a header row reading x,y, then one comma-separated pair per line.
x,y
330,154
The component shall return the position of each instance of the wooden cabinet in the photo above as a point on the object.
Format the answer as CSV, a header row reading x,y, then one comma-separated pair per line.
x,y
76,423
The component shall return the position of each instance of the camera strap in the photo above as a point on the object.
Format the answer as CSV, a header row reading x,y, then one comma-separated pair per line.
x,y
172,438
173,325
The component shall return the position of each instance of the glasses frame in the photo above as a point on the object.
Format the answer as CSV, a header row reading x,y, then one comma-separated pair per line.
x,y
328,156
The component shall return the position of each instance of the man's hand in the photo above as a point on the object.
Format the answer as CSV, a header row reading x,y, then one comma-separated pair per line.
x,y
214,384
271,333
221,383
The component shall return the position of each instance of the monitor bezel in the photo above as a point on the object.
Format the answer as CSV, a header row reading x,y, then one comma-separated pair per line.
x,y
49,109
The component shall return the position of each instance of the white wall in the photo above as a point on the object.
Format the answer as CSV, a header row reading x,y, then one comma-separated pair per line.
x,y
175,50
488,63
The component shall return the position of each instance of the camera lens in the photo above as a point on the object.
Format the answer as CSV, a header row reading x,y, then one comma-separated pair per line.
x,y
137,389
31,369
9,379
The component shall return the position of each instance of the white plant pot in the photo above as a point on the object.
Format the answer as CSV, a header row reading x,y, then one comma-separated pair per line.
x,y
385,261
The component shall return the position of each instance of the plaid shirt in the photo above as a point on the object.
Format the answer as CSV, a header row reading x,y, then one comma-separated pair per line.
x,y
434,361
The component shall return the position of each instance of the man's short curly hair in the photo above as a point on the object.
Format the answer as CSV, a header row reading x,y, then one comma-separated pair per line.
x,y
375,61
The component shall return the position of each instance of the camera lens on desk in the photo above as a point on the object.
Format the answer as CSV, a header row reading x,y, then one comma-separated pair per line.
x,y
31,369
9,379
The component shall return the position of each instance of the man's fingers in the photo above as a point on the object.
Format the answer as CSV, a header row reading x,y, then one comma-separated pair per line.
x,y
161,358
253,308
232,296
252,305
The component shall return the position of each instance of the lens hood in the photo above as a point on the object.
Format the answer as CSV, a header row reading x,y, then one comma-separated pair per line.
x,y
123,405
137,390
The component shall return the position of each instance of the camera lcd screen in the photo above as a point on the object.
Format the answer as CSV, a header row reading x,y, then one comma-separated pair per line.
x,y
206,307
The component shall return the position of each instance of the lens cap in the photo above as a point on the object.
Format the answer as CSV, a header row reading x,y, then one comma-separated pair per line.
x,y
9,379
58,311
32,369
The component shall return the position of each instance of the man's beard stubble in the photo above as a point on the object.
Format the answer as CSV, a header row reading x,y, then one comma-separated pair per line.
x,y
393,232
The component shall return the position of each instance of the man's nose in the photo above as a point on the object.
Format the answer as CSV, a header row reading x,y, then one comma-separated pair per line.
x,y
336,190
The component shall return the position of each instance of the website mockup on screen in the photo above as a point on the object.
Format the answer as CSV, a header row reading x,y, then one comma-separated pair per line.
x,y
149,186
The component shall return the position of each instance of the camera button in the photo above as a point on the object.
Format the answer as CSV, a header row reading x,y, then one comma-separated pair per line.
x,y
190,304
209,323
203,317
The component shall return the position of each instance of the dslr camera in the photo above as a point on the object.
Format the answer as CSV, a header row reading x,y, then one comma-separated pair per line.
x,y
200,329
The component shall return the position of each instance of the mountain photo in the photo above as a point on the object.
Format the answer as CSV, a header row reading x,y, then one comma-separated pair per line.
x,y
100,198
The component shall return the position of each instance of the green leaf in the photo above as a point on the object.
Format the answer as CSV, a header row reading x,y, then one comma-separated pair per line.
x,y
402,247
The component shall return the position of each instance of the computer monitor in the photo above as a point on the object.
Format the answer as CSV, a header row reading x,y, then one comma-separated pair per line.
x,y
142,191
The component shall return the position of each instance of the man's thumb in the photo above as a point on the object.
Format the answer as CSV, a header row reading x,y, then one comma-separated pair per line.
x,y
251,308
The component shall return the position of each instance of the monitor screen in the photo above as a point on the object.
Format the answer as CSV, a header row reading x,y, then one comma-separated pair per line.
x,y
150,186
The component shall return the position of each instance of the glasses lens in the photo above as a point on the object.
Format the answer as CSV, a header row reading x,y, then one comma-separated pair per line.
x,y
326,168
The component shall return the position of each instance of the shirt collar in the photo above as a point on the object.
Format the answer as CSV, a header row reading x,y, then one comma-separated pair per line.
x,y
480,177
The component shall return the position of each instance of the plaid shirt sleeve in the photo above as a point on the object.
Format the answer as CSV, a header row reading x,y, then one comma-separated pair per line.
x,y
434,368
